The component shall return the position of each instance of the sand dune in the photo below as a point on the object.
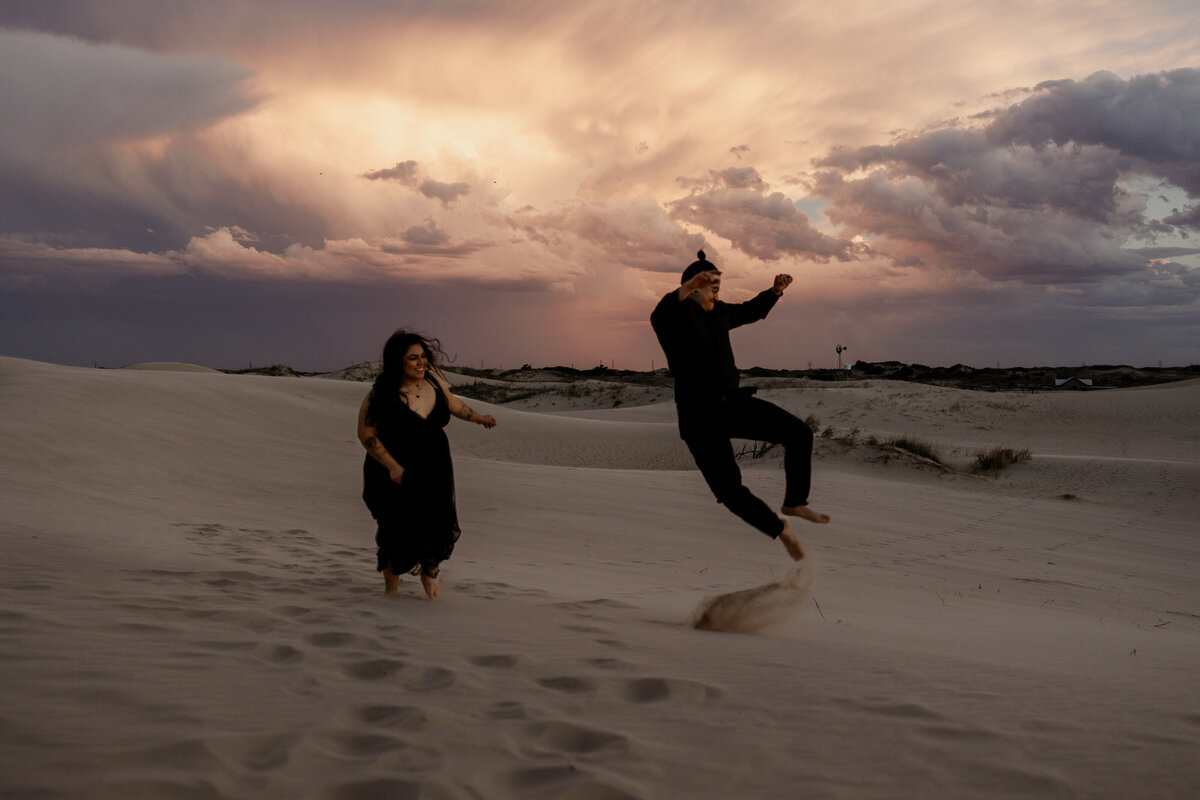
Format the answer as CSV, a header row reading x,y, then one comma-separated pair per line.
x,y
188,607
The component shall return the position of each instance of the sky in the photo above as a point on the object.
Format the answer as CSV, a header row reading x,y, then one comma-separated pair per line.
x,y
249,182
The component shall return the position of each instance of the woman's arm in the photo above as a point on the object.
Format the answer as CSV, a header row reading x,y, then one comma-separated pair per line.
x,y
370,440
460,409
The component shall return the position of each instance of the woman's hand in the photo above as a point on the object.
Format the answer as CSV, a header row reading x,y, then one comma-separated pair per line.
x,y
486,420
396,473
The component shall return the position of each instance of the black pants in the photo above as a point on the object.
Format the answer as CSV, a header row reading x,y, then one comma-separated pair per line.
x,y
751,418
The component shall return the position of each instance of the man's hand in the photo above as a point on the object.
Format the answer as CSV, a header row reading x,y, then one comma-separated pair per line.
x,y
701,280
781,283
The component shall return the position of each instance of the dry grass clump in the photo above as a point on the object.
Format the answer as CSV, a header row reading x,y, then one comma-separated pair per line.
x,y
915,446
996,459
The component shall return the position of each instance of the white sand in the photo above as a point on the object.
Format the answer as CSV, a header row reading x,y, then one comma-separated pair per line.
x,y
189,608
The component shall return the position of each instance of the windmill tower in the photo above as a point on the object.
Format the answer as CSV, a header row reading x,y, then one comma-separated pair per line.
x,y
841,348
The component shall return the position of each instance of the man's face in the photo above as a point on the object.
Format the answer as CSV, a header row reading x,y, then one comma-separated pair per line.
x,y
707,297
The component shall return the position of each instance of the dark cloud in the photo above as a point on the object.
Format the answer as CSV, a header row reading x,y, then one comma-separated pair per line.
x,y
964,167
62,93
907,220
407,173
404,172
1040,193
149,202
73,175
733,204
446,193
428,235
1151,118
245,23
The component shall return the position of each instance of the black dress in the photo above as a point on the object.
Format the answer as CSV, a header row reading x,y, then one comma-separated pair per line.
x,y
418,521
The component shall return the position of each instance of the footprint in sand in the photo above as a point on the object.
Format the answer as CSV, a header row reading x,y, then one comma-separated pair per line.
x,y
331,639
342,640
252,752
609,663
411,718
568,684
507,709
280,654
356,745
417,679
374,669
656,690
499,661
391,788
565,781
567,737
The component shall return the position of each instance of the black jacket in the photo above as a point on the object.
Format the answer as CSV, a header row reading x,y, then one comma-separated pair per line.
x,y
698,351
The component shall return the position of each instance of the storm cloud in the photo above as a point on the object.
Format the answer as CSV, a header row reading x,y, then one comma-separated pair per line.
x,y
735,204
529,178
1042,193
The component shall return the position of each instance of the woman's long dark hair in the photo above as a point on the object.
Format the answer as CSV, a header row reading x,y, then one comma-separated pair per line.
x,y
385,394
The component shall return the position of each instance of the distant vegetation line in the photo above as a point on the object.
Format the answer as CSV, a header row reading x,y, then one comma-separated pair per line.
x,y
959,375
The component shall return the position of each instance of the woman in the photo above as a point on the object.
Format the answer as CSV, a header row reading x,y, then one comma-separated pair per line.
x,y
408,476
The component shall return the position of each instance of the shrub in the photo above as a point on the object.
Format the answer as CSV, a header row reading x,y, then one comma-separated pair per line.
x,y
998,458
916,447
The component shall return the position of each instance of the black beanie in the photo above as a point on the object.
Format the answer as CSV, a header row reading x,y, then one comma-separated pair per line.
x,y
695,268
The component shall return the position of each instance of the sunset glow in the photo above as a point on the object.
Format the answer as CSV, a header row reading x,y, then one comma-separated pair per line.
x,y
1003,182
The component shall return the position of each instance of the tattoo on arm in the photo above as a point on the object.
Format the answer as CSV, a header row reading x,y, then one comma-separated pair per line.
x,y
373,446
465,412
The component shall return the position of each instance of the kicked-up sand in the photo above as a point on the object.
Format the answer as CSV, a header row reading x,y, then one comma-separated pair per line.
x,y
189,607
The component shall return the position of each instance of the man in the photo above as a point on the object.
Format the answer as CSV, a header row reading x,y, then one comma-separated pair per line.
x,y
693,327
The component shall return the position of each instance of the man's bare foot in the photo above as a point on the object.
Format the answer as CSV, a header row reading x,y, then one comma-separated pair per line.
x,y
391,582
804,512
432,588
791,543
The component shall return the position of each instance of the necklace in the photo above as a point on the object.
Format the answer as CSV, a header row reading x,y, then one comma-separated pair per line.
x,y
415,392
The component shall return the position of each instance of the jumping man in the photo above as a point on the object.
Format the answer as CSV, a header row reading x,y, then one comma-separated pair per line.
x,y
693,327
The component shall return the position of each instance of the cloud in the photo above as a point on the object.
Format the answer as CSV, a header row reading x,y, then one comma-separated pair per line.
x,y
1150,118
734,204
336,148
447,193
22,261
1039,193
427,235
636,233
422,252
112,147
404,172
61,93
407,173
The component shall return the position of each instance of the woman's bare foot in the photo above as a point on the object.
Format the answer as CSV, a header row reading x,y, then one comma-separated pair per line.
x,y
391,582
791,543
432,588
804,512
